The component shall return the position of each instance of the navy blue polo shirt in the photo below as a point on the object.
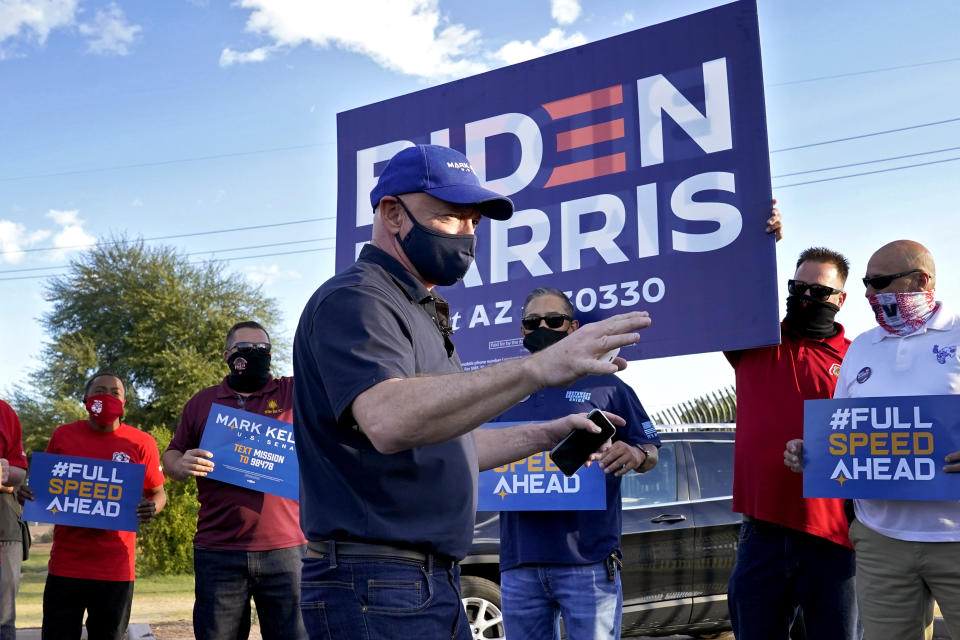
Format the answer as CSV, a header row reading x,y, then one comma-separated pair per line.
x,y
372,322
573,537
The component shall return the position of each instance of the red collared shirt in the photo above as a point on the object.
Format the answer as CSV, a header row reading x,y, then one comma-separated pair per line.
x,y
772,383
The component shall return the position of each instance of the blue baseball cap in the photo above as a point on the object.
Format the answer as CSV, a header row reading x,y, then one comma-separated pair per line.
x,y
442,172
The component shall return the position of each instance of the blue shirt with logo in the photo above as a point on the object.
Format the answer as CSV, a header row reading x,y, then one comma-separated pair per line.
x,y
573,537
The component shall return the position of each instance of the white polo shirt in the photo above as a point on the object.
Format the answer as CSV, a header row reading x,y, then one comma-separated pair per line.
x,y
925,362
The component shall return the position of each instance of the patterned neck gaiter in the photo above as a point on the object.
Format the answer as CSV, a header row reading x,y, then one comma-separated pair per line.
x,y
903,313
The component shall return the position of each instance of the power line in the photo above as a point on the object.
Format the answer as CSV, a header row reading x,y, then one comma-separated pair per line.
x,y
864,72
109,243
261,255
857,164
867,173
159,163
193,253
866,135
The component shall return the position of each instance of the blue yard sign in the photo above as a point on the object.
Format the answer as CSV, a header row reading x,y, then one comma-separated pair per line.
x,y
84,492
253,451
883,448
640,173
536,484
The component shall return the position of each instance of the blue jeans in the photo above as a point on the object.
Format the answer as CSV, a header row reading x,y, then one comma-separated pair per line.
x,y
362,598
535,597
780,572
225,582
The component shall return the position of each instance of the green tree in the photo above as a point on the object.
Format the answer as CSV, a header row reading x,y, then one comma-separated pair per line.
x,y
159,322
146,313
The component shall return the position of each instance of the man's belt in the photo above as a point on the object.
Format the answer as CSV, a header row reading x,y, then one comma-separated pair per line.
x,y
334,548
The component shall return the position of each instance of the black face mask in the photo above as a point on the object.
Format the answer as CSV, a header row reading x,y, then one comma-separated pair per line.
x,y
441,258
811,317
249,371
541,338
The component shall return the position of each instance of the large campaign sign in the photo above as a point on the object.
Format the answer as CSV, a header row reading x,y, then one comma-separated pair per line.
x,y
886,448
640,173
535,483
84,492
253,451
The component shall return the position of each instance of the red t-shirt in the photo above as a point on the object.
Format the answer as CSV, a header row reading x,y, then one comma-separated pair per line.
x,y
11,437
98,554
772,383
232,517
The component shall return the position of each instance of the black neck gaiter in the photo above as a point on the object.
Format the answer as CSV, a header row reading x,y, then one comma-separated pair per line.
x,y
249,371
811,318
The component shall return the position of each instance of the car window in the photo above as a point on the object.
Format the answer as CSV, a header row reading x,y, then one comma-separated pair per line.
x,y
656,486
714,462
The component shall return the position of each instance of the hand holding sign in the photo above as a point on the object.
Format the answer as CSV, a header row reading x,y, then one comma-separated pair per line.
x,y
954,462
793,456
194,462
146,510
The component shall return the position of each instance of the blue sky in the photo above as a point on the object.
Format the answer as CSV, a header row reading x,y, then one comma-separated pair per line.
x,y
161,118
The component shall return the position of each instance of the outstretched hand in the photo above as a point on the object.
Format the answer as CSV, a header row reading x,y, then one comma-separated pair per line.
x,y
582,352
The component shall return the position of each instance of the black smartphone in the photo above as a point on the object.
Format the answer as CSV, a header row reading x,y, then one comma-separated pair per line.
x,y
571,452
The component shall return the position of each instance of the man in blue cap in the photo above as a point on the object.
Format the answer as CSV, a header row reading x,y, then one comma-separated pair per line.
x,y
385,417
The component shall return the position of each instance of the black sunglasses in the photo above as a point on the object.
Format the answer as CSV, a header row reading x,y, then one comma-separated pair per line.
x,y
882,282
817,291
246,347
553,320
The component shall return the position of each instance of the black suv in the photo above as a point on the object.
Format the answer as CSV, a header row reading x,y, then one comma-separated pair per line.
x,y
679,542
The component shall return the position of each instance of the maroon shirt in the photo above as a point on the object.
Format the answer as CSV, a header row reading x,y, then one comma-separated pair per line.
x,y
232,517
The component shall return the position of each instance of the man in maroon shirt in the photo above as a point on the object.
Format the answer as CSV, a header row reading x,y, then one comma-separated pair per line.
x,y
248,543
794,554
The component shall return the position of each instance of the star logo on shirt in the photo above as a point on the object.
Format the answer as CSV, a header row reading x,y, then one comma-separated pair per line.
x,y
502,494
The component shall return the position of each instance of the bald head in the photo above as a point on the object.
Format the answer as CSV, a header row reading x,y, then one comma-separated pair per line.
x,y
902,256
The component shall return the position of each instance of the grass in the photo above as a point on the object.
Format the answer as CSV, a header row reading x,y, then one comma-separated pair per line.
x,y
155,599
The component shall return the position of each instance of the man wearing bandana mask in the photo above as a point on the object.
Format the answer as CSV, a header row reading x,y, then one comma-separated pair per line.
x,y
906,551
579,551
385,416
248,543
92,570
794,556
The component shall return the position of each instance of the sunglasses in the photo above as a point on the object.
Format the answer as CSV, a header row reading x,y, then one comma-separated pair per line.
x,y
246,347
882,282
553,320
817,291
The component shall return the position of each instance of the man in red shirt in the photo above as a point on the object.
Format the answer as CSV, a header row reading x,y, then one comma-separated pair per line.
x,y
92,570
794,554
248,543
13,462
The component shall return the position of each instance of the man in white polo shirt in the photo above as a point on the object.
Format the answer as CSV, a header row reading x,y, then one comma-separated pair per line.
x,y
906,551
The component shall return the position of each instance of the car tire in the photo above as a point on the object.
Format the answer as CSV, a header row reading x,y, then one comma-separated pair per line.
x,y
481,600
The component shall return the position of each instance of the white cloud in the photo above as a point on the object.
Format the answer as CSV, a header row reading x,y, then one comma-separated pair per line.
x,y
565,11
14,238
71,235
34,19
230,57
408,36
519,51
110,33
137,202
268,274
626,19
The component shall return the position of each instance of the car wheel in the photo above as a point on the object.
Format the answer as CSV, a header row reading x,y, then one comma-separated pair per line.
x,y
481,599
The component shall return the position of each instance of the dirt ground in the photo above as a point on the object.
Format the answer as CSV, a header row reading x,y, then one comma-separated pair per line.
x,y
183,630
